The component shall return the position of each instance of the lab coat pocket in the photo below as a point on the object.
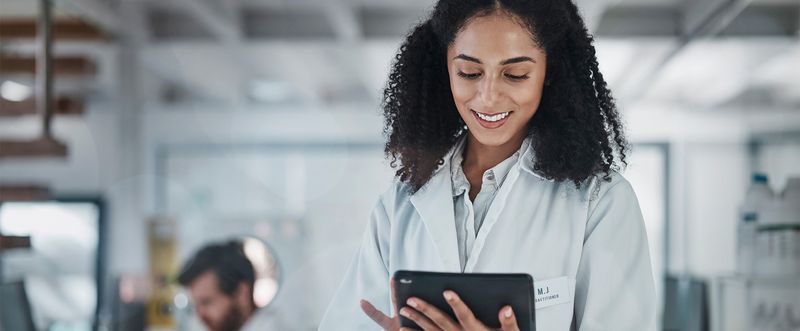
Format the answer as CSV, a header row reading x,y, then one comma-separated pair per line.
x,y
554,303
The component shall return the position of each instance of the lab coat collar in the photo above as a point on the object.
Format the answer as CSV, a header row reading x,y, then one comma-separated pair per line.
x,y
526,161
434,203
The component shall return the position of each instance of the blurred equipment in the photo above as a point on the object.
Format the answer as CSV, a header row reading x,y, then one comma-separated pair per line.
x,y
163,268
757,199
128,305
756,304
765,293
15,310
778,237
686,304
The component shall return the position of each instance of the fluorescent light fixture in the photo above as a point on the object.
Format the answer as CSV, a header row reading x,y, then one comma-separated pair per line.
x,y
13,91
270,91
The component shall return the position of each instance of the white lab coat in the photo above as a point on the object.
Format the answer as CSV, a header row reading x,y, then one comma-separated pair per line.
x,y
595,236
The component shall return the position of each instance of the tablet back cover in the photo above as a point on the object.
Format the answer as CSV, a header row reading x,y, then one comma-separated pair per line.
x,y
484,294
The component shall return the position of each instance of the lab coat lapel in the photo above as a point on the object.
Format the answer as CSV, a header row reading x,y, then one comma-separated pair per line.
x,y
524,165
434,203
491,218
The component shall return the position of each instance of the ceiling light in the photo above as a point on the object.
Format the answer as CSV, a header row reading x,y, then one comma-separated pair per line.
x,y
13,91
270,91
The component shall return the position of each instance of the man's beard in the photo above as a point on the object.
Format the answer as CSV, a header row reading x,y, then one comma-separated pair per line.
x,y
233,320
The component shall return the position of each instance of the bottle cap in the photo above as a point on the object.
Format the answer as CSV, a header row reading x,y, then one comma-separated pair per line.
x,y
760,177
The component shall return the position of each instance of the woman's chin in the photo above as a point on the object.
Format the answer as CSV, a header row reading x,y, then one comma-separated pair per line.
x,y
492,139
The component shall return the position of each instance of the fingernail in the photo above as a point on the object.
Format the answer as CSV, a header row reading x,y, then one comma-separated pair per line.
x,y
404,312
508,312
448,295
412,303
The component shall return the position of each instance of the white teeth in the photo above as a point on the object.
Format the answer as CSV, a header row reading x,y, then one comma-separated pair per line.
x,y
492,118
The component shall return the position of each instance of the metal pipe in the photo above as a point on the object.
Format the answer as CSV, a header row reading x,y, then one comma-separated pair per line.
x,y
44,67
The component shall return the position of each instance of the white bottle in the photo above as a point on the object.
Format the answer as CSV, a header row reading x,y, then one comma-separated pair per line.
x,y
758,196
790,217
771,246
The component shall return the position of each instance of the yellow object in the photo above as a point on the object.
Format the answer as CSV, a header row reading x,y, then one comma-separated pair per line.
x,y
163,268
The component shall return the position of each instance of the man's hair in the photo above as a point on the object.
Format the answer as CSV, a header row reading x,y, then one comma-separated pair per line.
x,y
226,260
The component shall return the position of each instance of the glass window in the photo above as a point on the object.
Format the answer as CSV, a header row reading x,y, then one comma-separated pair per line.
x,y
59,270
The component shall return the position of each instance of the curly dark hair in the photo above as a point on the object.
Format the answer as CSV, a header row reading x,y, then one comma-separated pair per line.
x,y
576,131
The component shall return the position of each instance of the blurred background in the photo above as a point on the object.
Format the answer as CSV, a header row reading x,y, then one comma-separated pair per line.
x,y
173,124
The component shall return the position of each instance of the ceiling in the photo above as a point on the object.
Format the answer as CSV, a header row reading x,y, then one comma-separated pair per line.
x,y
710,54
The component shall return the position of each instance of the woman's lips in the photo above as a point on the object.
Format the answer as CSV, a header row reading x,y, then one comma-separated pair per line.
x,y
491,121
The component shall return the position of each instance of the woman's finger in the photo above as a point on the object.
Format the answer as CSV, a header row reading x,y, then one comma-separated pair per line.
x,y
422,321
394,298
442,320
508,321
376,315
463,313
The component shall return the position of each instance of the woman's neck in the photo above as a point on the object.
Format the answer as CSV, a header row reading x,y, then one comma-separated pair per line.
x,y
479,157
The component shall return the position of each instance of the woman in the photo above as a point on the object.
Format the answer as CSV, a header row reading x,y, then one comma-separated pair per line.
x,y
507,143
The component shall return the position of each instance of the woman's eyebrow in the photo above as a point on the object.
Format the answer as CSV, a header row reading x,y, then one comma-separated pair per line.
x,y
505,62
467,58
517,60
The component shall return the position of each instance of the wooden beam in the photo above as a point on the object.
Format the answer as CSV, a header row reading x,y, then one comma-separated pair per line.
x,y
63,30
23,193
42,147
61,106
100,13
65,66
14,242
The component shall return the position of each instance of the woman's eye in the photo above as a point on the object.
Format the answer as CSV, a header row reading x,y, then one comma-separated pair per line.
x,y
468,76
515,77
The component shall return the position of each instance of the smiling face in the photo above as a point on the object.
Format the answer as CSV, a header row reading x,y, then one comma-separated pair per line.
x,y
496,74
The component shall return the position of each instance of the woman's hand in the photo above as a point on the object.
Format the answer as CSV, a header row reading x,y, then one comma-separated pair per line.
x,y
386,322
430,318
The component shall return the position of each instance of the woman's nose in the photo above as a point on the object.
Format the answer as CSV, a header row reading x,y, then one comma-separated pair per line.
x,y
489,92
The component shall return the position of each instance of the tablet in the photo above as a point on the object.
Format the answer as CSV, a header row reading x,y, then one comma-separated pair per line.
x,y
484,294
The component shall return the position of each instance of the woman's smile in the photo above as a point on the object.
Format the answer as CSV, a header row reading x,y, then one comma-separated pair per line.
x,y
492,121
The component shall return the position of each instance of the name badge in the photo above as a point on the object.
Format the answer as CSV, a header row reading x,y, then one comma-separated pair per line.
x,y
551,292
